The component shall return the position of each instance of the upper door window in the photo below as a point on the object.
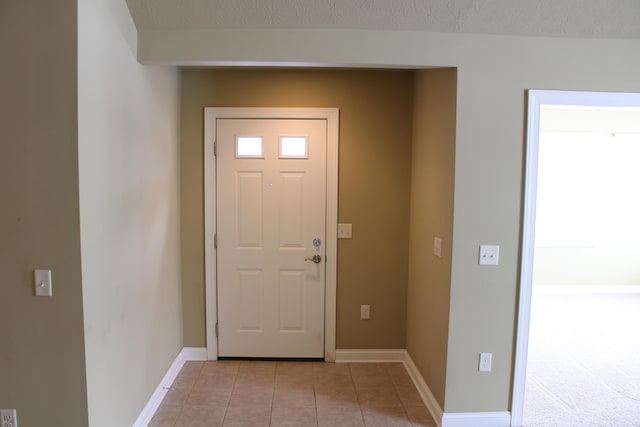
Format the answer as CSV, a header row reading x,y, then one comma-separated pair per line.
x,y
249,147
294,147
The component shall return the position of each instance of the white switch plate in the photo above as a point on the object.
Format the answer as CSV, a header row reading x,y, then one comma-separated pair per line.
x,y
42,283
365,311
437,246
489,255
484,365
345,231
8,418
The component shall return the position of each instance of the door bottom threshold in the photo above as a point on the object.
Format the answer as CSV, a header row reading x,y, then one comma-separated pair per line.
x,y
274,359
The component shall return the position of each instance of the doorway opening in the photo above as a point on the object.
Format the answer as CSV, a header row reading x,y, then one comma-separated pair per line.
x,y
579,192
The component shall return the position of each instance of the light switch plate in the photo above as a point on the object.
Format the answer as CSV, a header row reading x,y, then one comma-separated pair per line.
x,y
42,283
489,255
345,231
437,246
8,418
365,311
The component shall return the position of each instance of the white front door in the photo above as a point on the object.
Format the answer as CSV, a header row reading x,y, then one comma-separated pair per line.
x,y
271,219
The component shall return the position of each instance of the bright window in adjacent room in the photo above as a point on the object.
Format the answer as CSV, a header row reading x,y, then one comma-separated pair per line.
x,y
249,147
293,147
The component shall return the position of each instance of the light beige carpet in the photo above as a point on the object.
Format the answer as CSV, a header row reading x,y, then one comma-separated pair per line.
x,y
584,360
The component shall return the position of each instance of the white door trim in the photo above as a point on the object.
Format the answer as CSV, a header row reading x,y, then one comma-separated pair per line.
x,y
211,114
537,98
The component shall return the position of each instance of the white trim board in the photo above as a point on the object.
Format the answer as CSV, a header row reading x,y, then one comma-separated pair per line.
x,y
476,419
371,356
187,353
331,115
584,289
425,392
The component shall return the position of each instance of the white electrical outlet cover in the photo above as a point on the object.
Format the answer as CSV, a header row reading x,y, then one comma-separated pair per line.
x,y
485,362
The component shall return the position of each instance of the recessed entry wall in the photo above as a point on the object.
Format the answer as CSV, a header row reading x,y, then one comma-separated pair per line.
x,y
374,183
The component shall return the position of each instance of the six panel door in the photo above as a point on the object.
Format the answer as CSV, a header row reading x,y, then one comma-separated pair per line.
x,y
271,201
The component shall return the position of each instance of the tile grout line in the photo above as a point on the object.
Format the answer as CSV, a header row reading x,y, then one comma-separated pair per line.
x,y
273,393
226,408
355,388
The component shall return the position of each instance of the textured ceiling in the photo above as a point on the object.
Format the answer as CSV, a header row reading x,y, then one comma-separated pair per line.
x,y
556,18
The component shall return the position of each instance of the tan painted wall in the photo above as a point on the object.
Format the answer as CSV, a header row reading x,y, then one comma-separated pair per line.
x,y
42,369
130,215
375,143
432,185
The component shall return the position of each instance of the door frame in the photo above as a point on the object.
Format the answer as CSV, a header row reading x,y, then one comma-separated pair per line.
x,y
537,98
211,115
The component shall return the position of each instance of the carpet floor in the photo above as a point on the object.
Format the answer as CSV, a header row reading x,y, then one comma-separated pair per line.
x,y
584,360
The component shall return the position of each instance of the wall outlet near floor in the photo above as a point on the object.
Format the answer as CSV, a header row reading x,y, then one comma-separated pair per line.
x,y
365,311
8,418
485,362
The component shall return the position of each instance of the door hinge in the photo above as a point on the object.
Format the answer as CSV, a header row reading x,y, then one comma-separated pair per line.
x,y
216,329
215,241
215,148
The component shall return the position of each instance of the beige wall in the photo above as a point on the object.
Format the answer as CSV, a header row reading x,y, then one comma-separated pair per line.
x,y
42,369
130,215
432,184
493,75
375,143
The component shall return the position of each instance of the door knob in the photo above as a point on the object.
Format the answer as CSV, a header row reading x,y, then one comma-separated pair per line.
x,y
316,258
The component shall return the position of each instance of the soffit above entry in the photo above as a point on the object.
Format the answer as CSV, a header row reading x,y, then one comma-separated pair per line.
x,y
543,18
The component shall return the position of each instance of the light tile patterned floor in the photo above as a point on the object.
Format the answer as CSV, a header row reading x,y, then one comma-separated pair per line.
x,y
301,394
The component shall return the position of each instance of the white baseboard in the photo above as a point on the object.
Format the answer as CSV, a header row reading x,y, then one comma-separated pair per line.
x,y
476,419
585,289
399,355
357,355
187,353
425,392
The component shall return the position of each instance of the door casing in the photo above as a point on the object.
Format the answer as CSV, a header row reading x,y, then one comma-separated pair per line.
x,y
331,115
537,98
